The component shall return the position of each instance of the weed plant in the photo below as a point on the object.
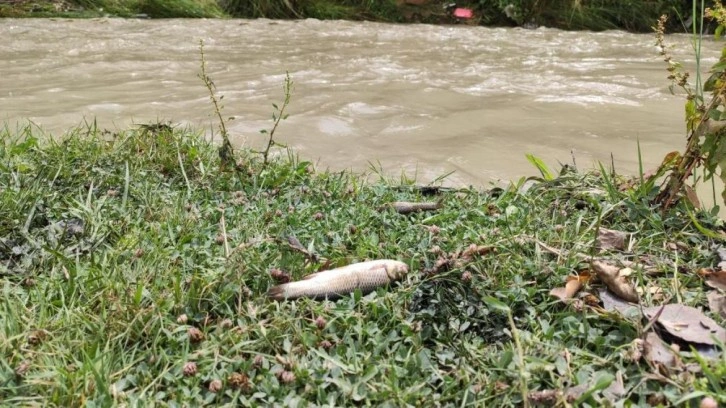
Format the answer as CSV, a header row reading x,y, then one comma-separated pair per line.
x,y
134,272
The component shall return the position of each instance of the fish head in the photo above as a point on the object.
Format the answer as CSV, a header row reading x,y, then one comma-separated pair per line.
x,y
396,270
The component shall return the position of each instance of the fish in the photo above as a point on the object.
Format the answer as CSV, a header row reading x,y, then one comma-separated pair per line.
x,y
335,283
406,207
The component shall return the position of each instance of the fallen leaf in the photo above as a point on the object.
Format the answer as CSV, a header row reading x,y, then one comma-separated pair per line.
x,y
610,275
717,303
688,324
713,278
657,352
573,285
612,302
616,388
721,252
692,197
716,280
610,239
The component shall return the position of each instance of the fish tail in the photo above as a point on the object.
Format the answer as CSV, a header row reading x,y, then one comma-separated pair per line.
x,y
277,292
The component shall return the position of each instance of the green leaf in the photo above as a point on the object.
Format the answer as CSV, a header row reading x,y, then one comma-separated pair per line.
x,y
703,230
602,381
496,304
691,114
718,32
138,296
541,166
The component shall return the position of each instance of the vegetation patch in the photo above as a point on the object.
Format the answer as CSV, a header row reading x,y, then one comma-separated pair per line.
x,y
631,15
135,269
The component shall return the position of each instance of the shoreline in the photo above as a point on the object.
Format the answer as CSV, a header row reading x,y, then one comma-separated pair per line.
x,y
636,17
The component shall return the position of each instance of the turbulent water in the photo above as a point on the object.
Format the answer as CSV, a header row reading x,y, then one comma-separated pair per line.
x,y
427,100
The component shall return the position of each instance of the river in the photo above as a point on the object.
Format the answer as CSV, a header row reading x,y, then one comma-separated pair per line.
x,y
423,99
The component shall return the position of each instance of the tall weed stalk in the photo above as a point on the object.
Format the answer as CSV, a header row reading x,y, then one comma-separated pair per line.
x,y
277,116
226,151
705,120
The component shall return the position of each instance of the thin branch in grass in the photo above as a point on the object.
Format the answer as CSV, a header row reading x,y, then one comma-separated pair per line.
x,y
183,172
127,182
224,236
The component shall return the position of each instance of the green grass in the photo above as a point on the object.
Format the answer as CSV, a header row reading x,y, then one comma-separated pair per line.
x,y
125,257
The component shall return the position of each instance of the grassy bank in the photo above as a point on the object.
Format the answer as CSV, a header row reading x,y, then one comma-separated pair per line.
x,y
134,271
632,15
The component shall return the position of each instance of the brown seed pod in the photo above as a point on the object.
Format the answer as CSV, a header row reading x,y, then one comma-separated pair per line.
x,y
320,322
287,377
190,369
215,386
279,275
239,381
195,335
22,368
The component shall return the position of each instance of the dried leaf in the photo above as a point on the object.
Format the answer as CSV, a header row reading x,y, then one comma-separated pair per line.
x,y
688,324
658,352
692,196
717,303
716,280
573,285
612,302
610,275
616,390
611,239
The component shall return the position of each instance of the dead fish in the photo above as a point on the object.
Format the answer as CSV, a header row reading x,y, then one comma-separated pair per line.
x,y
334,283
406,207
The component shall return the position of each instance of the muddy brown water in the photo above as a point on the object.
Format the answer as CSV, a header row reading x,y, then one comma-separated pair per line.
x,y
422,99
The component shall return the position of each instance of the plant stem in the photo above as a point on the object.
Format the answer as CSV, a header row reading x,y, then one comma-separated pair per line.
x,y
280,115
226,152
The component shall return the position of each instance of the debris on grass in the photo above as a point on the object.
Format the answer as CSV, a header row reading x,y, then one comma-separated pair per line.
x,y
717,303
714,279
573,285
616,279
657,353
608,239
687,324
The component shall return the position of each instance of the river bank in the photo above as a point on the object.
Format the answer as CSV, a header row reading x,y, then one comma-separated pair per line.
x,y
134,269
634,16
